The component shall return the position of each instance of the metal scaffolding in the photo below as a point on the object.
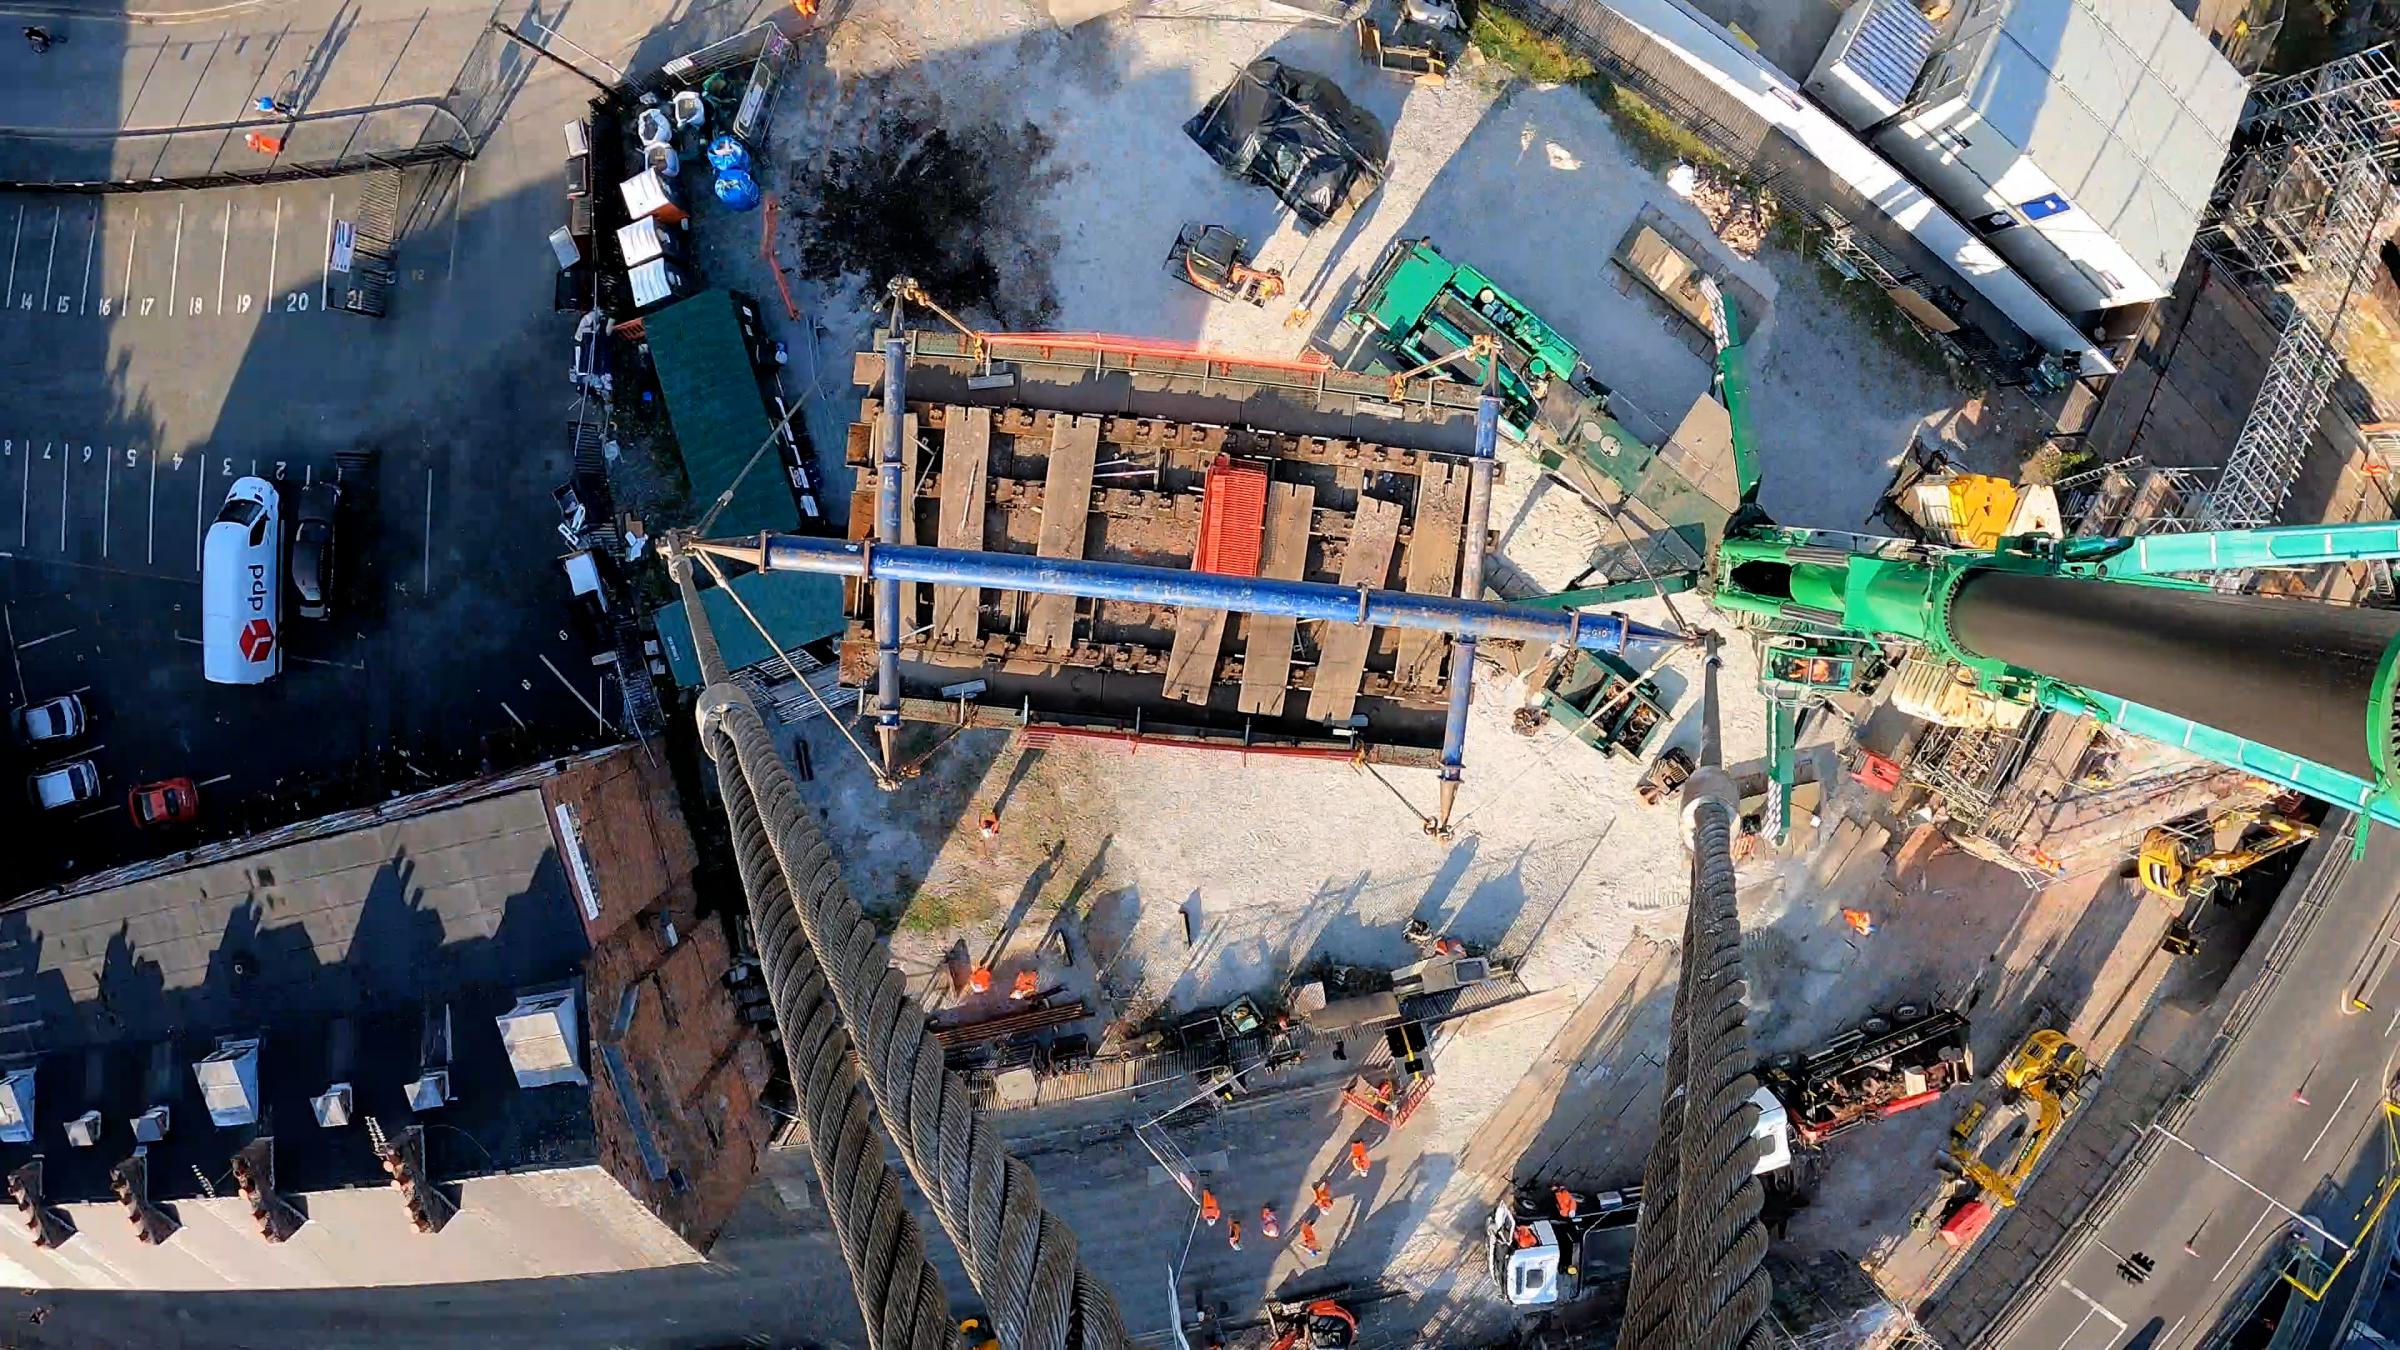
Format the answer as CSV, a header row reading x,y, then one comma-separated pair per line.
x,y
2295,216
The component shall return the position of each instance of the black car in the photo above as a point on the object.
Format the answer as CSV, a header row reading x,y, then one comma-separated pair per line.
x,y
312,550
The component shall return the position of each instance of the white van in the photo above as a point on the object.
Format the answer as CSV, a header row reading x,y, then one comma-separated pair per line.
x,y
241,587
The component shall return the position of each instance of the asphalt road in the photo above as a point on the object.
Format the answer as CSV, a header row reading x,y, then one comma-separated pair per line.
x,y
2293,1120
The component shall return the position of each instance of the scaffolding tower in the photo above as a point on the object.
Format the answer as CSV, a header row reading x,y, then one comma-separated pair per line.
x,y
2295,216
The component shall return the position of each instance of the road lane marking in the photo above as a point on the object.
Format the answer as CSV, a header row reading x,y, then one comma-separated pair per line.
x,y
212,782
274,245
13,242
175,268
224,251
2241,1246
88,250
2096,1309
50,264
125,302
53,637
2337,1115
325,280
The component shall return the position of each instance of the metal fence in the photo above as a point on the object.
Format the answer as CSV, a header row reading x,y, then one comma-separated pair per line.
x,y
450,127
1774,165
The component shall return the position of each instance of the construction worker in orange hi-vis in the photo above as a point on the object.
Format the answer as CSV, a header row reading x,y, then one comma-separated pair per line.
x,y
1209,1212
1383,1093
1233,1235
1358,1156
979,979
1308,1239
1268,1223
1029,983
1323,1195
1566,1202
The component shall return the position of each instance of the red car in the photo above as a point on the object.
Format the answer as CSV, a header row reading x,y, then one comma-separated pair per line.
x,y
171,801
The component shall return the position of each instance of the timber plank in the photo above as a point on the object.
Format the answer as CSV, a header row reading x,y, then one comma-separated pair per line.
x,y
1267,657
1432,565
1342,649
1192,664
1066,513
966,483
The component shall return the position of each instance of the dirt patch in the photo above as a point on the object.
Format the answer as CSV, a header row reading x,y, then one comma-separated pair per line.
x,y
914,195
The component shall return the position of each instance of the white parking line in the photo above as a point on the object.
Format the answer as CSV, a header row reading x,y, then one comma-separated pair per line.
x,y
125,302
108,480
429,532
15,240
325,283
53,637
50,264
212,782
224,251
8,619
274,245
150,524
175,268
88,250
24,492
66,459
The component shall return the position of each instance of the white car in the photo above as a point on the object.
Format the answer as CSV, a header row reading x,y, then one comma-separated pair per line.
x,y
61,785
53,720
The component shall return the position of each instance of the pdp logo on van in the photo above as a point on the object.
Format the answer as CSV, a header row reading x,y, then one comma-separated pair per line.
x,y
241,586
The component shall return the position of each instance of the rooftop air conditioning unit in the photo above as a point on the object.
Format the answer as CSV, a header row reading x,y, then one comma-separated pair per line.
x,y
84,1130
16,1107
332,1106
431,1092
150,1127
544,1037
229,1081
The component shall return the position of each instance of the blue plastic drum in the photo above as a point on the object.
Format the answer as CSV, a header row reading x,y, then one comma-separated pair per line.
x,y
737,189
727,153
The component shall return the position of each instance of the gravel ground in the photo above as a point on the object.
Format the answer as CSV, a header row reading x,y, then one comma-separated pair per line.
x,y
1080,132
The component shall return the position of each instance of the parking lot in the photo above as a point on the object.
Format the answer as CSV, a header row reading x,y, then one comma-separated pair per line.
x,y
154,348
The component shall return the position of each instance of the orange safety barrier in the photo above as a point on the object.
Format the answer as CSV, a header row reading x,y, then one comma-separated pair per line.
x,y
766,243
1120,344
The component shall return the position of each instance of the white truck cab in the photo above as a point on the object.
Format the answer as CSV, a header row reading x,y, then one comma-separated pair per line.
x,y
1775,1129
1540,1259
241,587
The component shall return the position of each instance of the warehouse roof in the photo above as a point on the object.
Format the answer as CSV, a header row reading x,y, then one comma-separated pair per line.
x,y
2124,104
471,894
797,607
713,402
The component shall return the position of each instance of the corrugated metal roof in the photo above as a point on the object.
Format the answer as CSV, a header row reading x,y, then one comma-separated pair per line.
x,y
1889,48
1233,516
719,420
2122,103
797,607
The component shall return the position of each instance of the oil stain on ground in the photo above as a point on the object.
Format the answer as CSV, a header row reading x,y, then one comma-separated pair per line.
x,y
912,195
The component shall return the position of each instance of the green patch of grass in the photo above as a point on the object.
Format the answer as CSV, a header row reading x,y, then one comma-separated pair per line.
x,y
1512,44
932,912
1655,138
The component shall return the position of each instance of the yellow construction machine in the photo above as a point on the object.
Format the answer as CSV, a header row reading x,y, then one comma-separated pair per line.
x,y
2170,869
2045,1079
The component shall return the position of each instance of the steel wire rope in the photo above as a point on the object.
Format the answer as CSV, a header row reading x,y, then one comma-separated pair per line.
x,y
1022,1259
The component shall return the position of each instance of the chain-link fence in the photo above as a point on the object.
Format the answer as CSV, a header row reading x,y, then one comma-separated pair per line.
x,y
1773,164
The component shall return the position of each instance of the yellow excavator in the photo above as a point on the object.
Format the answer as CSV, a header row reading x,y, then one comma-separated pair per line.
x,y
2046,1078
2171,871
